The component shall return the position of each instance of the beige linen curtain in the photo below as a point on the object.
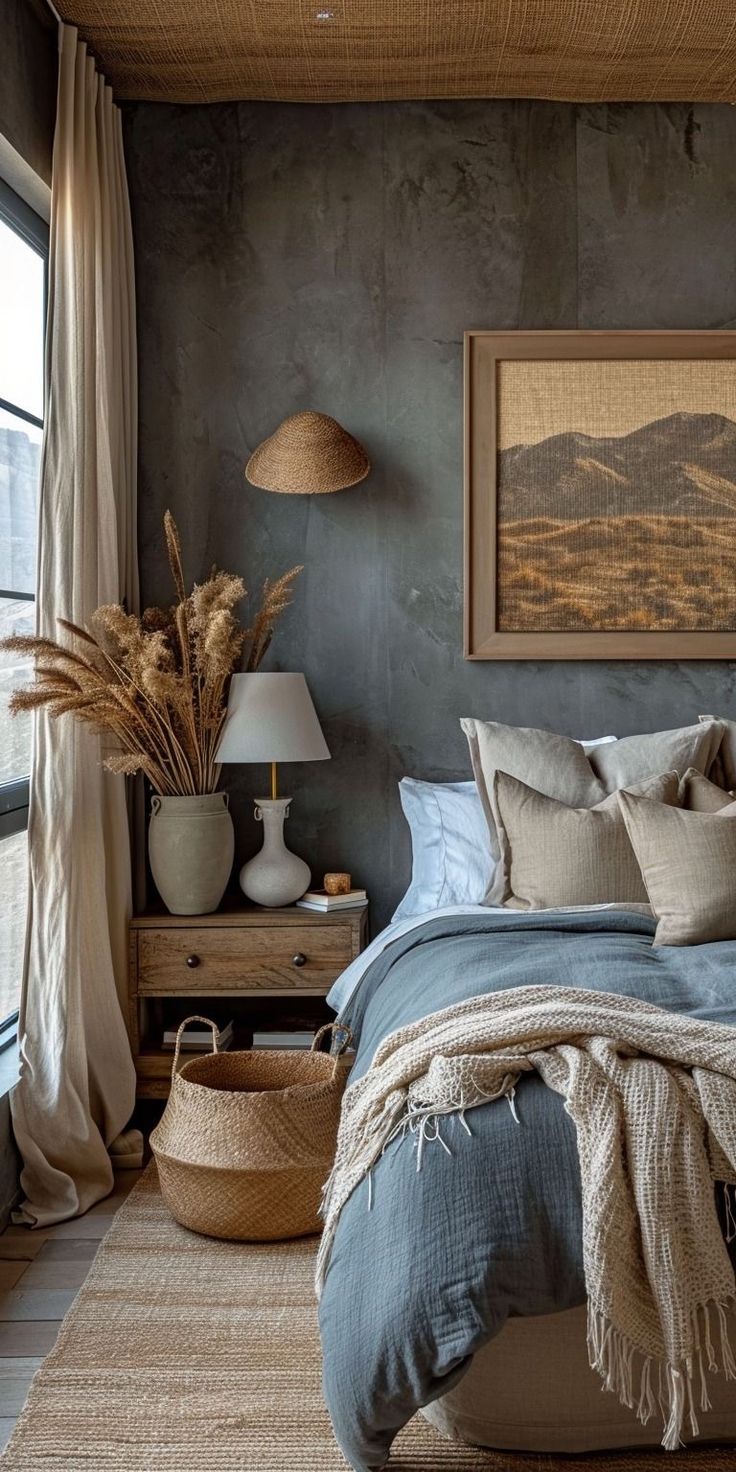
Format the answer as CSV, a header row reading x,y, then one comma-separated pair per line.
x,y
77,1085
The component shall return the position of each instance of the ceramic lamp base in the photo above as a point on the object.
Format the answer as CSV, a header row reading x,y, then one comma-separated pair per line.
x,y
275,876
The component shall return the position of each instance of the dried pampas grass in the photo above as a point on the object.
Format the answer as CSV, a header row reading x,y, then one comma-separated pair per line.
x,y
157,683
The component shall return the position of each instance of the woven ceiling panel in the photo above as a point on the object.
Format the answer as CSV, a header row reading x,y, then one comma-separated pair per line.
x,y
360,50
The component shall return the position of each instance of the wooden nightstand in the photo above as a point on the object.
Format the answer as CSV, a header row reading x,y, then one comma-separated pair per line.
x,y
260,967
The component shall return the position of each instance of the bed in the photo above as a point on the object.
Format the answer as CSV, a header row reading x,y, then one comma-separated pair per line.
x,y
532,1389
439,1276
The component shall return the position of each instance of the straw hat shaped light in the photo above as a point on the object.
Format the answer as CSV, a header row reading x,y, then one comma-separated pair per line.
x,y
308,455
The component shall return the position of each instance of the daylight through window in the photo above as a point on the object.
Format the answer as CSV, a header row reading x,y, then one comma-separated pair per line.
x,y
23,259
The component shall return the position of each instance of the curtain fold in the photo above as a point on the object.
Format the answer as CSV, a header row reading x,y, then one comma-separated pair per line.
x,y
77,1085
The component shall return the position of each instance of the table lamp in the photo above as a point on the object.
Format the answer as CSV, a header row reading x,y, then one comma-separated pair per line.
x,y
271,719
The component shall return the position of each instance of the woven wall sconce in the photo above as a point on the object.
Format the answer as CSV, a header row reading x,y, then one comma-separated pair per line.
x,y
309,454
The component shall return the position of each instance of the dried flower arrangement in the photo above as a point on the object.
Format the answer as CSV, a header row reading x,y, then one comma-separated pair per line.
x,y
157,683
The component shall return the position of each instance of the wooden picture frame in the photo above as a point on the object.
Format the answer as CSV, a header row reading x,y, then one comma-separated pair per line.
x,y
485,637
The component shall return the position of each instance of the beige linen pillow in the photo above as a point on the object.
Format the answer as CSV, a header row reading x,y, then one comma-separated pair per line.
x,y
553,854
724,769
688,863
698,795
558,767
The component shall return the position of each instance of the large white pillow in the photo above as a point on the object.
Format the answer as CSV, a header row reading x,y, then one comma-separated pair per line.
x,y
452,863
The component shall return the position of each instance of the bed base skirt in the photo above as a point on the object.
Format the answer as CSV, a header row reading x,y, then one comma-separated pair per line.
x,y
532,1389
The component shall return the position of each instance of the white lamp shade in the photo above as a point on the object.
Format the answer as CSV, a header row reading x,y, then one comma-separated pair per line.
x,y
271,718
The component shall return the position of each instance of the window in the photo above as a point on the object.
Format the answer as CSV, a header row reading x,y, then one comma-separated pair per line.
x,y
23,265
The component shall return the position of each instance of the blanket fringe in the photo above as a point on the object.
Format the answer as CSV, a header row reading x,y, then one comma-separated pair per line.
x,y
422,1122
613,1356
423,1125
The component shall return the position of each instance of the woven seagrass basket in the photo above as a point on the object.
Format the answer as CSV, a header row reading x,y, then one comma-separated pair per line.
x,y
247,1140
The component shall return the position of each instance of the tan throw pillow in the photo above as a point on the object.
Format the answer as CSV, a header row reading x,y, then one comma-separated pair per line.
x,y
558,766
688,863
724,767
698,795
553,854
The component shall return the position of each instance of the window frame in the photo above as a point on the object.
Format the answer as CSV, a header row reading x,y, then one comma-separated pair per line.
x,y
14,796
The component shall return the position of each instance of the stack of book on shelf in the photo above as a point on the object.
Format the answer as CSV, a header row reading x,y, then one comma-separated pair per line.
x,y
198,1040
319,899
297,1039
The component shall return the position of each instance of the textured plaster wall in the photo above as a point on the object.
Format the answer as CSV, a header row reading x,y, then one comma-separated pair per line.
x,y
9,1164
331,257
28,63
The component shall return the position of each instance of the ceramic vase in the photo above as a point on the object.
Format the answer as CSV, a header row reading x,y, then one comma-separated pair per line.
x,y
191,844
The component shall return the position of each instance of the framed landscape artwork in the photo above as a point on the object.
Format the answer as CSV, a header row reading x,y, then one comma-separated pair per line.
x,y
600,495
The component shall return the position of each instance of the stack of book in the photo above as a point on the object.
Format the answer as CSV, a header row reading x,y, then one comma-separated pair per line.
x,y
198,1040
283,1039
319,899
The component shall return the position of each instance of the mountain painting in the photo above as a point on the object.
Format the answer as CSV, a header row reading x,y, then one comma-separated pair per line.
x,y
632,531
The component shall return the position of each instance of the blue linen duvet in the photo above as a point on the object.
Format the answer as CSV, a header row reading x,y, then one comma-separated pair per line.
x,y
426,1266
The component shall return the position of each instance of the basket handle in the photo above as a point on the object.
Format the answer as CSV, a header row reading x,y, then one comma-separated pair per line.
x,y
194,1018
339,1030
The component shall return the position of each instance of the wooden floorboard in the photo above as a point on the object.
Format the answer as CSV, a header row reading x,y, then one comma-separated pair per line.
x,y
111,1204
28,1338
90,1227
6,1425
74,1249
15,1380
41,1273
21,1246
54,1272
22,1304
10,1272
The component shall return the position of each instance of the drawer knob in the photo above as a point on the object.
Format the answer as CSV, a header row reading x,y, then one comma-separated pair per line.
x,y
192,961
299,959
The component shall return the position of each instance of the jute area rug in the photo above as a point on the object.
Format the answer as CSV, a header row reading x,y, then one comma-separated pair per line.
x,y
182,1354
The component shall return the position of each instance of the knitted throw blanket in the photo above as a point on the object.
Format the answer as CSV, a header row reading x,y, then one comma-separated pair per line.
x,y
653,1098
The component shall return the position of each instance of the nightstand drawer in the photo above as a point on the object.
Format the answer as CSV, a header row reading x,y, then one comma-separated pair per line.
x,y
230,959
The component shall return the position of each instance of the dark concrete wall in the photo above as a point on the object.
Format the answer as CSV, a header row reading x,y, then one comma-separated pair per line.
x,y
28,61
9,1164
331,257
